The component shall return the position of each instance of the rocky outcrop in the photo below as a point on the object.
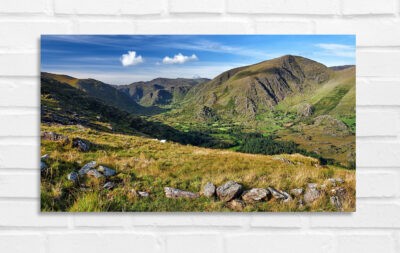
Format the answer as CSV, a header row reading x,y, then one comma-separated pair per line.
x,y
279,195
52,136
209,190
312,193
305,110
229,191
87,167
177,193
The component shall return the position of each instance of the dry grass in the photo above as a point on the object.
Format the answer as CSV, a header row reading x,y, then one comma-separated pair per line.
x,y
148,165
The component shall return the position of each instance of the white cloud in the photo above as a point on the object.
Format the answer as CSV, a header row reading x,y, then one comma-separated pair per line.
x,y
131,59
179,58
337,49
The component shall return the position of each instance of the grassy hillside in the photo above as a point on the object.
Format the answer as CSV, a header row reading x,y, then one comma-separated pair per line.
x,y
144,164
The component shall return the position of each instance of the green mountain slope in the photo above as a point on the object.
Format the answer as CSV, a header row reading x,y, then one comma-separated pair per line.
x,y
160,91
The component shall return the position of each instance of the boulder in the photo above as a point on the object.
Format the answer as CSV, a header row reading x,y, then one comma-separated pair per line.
x,y
73,176
236,205
338,195
280,195
143,194
87,167
335,201
209,190
297,192
312,193
109,185
94,173
229,191
52,136
255,195
106,171
177,193
81,144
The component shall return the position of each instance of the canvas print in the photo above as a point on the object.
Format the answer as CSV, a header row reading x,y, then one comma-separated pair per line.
x,y
198,123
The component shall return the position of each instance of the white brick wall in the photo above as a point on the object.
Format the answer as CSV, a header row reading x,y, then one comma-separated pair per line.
x,y
375,227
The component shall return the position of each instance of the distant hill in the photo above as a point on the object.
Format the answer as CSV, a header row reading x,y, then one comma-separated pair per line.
x,y
341,67
160,91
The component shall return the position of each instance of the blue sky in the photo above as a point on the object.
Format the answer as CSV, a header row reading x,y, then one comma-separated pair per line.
x,y
122,59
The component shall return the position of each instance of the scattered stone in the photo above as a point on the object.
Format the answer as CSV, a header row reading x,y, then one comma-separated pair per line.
x,y
236,205
339,194
312,193
280,195
297,192
43,166
176,193
335,201
143,194
209,190
255,194
94,173
87,167
229,191
335,181
109,185
81,144
44,157
106,171
163,141
52,136
73,176
284,160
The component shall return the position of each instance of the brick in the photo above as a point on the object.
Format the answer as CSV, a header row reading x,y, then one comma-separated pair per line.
x,y
10,156
365,243
278,242
369,123
377,184
191,27
368,215
26,34
19,185
23,6
283,27
370,32
200,6
27,89
368,7
18,214
106,27
102,242
378,63
21,243
87,7
143,7
193,243
291,220
378,154
287,7
16,125
378,92
19,64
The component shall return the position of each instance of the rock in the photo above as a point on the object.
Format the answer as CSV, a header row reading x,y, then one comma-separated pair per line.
x,y
44,157
297,192
87,167
209,190
81,144
338,195
331,126
73,176
280,195
143,194
109,185
335,181
312,193
229,191
255,194
236,205
284,160
176,193
335,201
106,171
43,166
52,136
305,110
163,141
94,173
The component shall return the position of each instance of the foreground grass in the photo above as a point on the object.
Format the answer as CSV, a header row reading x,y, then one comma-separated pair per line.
x,y
144,164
